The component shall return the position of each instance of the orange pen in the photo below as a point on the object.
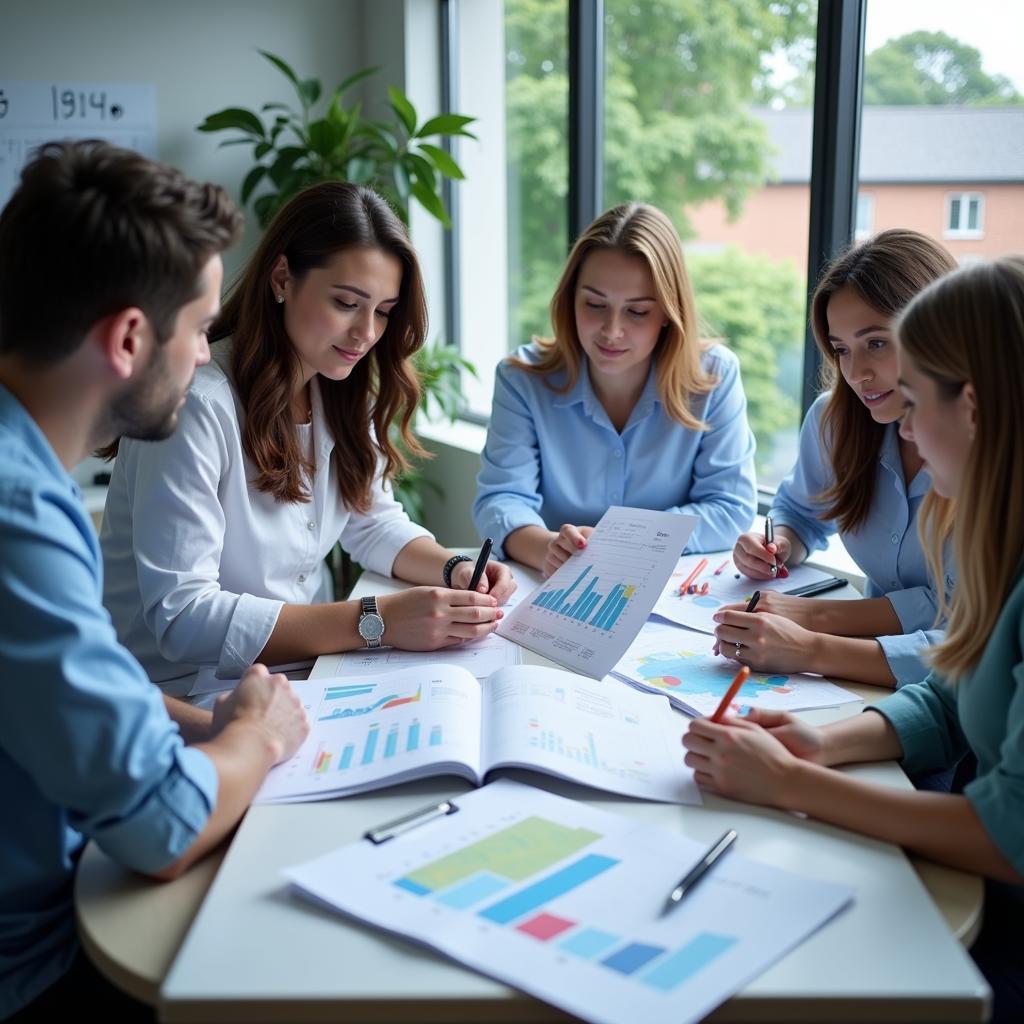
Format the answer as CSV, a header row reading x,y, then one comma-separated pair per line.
x,y
734,688
700,567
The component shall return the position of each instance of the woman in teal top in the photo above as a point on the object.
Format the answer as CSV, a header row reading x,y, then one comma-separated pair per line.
x,y
961,366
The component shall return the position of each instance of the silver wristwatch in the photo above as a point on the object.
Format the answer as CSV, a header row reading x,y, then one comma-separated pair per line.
x,y
371,625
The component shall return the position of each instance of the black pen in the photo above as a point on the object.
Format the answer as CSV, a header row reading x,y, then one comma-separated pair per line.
x,y
769,538
816,588
697,872
481,562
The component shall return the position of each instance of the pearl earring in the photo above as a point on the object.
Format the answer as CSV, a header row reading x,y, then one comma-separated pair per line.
x,y
280,297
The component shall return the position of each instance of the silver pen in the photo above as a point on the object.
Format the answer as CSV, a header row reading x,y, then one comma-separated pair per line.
x,y
697,872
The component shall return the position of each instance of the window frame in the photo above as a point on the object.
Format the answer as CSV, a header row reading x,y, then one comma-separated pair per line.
x,y
965,198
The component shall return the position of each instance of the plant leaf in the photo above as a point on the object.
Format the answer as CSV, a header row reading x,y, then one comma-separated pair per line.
x,y
430,201
283,67
275,106
310,90
235,142
442,160
357,77
360,170
403,108
285,162
252,179
422,169
446,124
401,176
233,117
263,148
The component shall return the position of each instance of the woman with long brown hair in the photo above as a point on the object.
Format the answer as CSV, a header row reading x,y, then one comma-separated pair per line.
x,y
857,477
214,540
624,405
961,363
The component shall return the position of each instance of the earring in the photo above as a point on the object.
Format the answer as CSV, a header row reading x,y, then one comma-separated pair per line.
x,y
280,297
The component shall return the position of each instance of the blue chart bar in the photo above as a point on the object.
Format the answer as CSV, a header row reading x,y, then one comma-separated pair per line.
x,y
558,884
593,749
413,741
472,890
410,886
590,943
391,742
346,757
557,600
371,744
604,612
340,692
686,962
631,958
563,604
435,735
589,606
581,601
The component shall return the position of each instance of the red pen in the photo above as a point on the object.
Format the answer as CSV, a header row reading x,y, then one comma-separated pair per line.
x,y
734,688
718,571
700,567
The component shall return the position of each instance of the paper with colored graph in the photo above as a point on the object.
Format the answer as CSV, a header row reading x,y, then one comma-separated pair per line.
x,y
564,901
724,585
588,612
370,732
678,663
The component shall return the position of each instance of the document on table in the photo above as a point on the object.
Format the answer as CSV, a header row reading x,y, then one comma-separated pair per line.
x,y
565,901
588,612
726,585
678,663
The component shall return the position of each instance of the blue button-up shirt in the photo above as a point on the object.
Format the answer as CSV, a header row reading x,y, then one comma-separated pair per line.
x,y
556,458
886,547
87,749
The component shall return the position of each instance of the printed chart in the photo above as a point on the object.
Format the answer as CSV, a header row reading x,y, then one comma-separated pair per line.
x,y
564,901
585,615
677,662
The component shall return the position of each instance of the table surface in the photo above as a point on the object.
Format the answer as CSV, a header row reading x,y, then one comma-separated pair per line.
x,y
255,952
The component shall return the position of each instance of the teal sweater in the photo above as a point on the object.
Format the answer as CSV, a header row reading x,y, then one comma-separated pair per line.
x,y
984,712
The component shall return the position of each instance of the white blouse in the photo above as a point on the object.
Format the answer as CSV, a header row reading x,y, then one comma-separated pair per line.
x,y
198,562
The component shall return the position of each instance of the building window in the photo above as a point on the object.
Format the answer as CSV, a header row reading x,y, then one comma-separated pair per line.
x,y
865,215
964,215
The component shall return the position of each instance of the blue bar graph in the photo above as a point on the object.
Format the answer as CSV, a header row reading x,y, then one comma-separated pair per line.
x,y
472,890
589,943
346,757
686,962
631,958
413,742
411,886
605,613
371,744
581,606
435,735
558,884
573,612
391,742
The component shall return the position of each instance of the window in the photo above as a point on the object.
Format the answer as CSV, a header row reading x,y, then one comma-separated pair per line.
x,y
963,215
865,219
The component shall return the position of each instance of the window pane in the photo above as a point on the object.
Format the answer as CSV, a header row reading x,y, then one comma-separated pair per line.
x,y
707,116
942,122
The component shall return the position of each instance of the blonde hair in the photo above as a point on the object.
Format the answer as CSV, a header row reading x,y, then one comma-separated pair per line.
x,y
644,231
886,271
969,328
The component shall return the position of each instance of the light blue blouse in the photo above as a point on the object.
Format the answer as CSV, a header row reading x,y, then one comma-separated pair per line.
x,y
886,547
555,458
87,749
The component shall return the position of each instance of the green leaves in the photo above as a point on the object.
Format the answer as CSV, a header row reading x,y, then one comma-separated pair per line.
x,y
296,149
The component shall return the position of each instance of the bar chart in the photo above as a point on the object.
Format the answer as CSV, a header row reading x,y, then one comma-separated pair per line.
x,y
511,877
598,607
376,743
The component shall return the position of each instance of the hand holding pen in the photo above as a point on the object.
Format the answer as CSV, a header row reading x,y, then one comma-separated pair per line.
x,y
761,559
487,576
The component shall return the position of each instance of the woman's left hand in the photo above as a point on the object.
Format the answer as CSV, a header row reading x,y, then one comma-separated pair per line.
x,y
802,610
738,759
496,580
764,641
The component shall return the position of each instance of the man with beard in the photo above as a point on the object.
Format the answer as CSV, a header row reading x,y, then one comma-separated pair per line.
x,y
110,273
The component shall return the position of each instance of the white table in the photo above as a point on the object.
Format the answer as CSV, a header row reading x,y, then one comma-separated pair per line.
x,y
257,953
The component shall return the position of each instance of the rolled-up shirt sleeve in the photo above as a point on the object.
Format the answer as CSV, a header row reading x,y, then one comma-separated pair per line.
x,y
508,487
723,487
905,653
796,503
178,525
375,537
77,713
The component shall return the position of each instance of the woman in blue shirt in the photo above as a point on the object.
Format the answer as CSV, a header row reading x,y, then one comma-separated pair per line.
x,y
857,477
961,363
624,406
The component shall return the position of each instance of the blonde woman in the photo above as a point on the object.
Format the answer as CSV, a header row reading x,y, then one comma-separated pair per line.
x,y
625,405
961,366
857,477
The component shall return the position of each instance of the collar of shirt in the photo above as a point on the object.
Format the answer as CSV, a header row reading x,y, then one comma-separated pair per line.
x,y
889,457
582,393
24,431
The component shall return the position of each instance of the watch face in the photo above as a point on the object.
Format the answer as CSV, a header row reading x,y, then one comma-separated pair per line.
x,y
371,627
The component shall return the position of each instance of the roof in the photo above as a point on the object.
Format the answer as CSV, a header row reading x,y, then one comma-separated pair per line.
x,y
911,144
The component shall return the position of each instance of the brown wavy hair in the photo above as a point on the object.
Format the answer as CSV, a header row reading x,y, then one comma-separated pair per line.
x,y
886,271
382,388
638,230
969,327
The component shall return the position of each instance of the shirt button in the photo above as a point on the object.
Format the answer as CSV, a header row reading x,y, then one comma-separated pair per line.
x,y
302,577
618,453
311,525
895,538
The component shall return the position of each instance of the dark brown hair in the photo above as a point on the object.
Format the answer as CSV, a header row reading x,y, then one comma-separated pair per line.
x,y
309,231
92,230
886,271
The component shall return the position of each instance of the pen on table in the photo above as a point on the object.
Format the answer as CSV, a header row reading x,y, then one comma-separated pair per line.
x,y
698,569
697,872
816,588
718,571
751,605
481,562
